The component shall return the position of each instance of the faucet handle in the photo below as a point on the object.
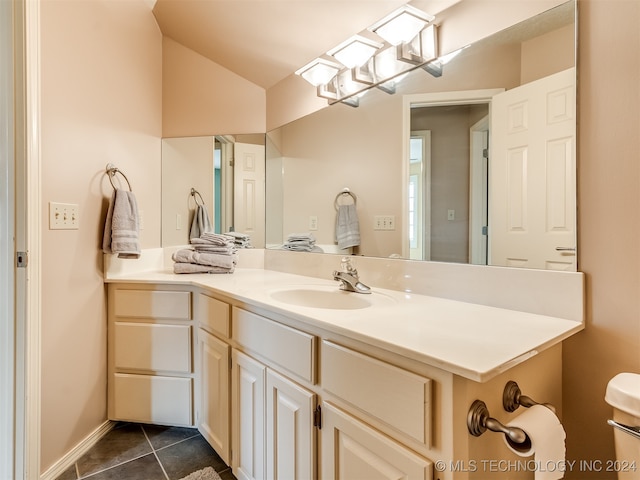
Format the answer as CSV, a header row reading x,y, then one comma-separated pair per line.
x,y
346,266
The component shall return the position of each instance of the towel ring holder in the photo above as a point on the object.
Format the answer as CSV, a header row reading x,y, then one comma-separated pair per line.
x,y
344,192
111,171
195,192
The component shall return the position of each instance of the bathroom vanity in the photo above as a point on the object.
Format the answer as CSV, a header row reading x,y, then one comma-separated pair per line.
x,y
288,377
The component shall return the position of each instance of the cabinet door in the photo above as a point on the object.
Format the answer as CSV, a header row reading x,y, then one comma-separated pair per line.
x,y
213,416
248,417
291,436
353,451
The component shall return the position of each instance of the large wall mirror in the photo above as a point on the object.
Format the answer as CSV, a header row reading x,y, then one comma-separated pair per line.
x,y
222,173
474,166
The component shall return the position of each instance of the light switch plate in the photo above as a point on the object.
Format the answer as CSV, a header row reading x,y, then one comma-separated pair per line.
x,y
63,216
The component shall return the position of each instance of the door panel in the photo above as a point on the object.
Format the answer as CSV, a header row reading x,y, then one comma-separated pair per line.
x,y
533,157
248,389
353,451
291,436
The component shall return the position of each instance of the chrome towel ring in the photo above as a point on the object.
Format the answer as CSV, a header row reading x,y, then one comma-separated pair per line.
x,y
344,192
111,171
195,192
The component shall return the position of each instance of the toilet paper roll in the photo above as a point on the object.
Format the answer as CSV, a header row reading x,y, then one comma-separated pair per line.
x,y
547,436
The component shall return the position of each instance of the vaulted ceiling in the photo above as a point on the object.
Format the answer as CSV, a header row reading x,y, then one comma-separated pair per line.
x,y
265,41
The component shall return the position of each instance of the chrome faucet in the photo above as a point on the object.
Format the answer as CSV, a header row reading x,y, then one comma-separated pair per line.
x,y
348,277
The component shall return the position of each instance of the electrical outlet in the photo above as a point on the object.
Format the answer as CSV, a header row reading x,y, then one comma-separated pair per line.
x,y
313,222
451,215
64,216
384,222
391,222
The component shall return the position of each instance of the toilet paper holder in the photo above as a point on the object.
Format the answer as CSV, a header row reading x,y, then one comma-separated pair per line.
x,y
479,421
512,398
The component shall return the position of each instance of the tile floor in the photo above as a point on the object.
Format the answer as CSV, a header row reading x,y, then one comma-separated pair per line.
x,y
134,451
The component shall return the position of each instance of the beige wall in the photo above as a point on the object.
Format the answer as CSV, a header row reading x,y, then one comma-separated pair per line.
x,y
101,102
187,162
199,97
101,90
608,221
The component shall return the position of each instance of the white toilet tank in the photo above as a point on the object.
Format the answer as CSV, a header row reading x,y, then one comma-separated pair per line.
x,y
623,394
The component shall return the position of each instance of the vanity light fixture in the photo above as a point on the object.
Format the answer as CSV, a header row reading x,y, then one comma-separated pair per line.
x,y
410,41
435,67
355,52
319,71
402,25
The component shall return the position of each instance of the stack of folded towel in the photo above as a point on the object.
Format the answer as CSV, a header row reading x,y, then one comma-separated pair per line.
x,y
210,253
301,242
240,240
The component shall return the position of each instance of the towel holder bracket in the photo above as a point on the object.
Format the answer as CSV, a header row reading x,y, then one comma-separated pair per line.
x,y
479,421
512,398
111,170
344,192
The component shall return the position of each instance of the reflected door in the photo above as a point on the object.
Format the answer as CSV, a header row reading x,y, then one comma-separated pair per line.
x,y
249,179
532,209
419,192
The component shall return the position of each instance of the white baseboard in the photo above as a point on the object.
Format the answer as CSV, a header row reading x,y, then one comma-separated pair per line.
x,y
58,468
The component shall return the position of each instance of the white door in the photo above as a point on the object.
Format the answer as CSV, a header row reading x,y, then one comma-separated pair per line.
x,y
7,246
533,157
420,195
213,415
353,451
248,192
248,417
291,436
478,178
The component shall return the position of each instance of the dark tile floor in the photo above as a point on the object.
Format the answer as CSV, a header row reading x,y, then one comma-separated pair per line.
x,y
134,451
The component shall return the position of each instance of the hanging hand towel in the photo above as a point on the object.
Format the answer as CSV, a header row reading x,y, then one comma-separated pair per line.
x,y
200,223
122,226
347,227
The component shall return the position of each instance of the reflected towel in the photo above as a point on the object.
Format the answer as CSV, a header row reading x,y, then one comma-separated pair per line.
x,y
122,226
347,227
200,223
219,239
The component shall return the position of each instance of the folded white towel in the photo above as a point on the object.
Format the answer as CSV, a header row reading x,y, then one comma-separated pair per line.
x,y
186,255
347,227
195,268
122,225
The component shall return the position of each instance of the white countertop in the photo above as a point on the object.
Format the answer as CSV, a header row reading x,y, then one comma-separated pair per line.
x,y
474,341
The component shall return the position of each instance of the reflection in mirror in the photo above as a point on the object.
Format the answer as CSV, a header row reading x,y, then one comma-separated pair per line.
x,y
223,173
440,206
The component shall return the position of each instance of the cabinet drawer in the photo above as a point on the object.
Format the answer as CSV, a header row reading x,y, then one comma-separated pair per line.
x,y
213,315
153,304
399,398
152,347
152,399
291,349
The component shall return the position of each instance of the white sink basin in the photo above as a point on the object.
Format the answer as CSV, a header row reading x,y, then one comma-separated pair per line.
x,y
317,296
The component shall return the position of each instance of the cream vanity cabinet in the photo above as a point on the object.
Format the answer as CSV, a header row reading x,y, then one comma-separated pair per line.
x,y
213,374
273,431
381,393
281,398
280,426
150,354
